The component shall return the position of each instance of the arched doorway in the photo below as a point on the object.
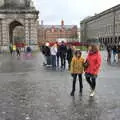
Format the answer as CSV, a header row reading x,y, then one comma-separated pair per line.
x,y
16,33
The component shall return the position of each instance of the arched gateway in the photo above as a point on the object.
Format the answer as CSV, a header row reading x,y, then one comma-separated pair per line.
x,y
20,15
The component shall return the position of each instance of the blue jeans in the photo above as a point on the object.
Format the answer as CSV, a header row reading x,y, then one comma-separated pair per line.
x,y
53,61
48,58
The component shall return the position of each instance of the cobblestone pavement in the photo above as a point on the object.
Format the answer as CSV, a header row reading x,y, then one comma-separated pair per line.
x,y
29,91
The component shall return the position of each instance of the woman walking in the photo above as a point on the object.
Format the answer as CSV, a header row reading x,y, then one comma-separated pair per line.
x,y
93,65
77,69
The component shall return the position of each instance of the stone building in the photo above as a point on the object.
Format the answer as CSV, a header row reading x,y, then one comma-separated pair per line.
x,y
15,14
53,32
104,26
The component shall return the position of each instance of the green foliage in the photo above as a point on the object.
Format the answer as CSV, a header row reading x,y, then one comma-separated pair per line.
x,y
82,48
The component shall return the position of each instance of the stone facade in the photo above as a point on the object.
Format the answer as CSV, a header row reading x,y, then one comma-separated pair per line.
x,y
10,18
53,32
104,26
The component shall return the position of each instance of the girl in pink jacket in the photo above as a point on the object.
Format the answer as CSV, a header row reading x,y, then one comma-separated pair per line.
x,y
92,70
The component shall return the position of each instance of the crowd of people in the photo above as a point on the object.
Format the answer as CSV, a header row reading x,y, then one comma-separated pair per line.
x,y
57,55
14,50
113,54
77,65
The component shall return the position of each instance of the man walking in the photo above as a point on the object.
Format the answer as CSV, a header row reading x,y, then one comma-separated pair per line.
x,y
63,51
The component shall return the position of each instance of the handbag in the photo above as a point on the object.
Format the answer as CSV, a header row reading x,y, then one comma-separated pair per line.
x,y
86,64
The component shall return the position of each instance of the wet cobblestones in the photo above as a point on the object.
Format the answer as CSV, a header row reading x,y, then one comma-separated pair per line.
x,y
28,91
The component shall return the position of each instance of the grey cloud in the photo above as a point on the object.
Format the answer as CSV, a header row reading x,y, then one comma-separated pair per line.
x,y
72,11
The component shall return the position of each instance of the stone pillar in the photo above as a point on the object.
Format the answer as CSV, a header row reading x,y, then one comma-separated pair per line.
x,y
27,32
0,33
5,40
33,32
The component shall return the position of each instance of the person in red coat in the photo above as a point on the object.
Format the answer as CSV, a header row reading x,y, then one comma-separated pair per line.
x,y
94,62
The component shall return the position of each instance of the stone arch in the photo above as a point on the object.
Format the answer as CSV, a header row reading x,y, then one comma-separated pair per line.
x,y
14,16
19,20
12,26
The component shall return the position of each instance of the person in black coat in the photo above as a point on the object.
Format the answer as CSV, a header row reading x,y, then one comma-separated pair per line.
x,y
47,54
118,53
18,51
29,50
63,51
69,55
114,49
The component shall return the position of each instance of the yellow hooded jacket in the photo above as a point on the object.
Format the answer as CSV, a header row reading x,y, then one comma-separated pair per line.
x,y
77,65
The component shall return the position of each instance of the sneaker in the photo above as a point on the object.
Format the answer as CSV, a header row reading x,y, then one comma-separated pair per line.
x,y
72,93
90,90
92,94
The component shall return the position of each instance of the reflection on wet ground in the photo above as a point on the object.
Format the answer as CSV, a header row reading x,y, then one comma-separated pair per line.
x,y
28,91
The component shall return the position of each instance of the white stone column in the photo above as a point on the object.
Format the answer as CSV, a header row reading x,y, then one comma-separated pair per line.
x,y
0,33
5,40
27,32
33,32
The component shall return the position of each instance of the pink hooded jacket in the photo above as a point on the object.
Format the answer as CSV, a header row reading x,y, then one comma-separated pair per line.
x,y
94,60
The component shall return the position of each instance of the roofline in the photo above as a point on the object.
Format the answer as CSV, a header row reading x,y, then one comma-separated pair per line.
x,y
50,26
110,10
58,25
8,11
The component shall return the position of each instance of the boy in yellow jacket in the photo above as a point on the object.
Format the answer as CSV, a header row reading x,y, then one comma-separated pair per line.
x,y
77,69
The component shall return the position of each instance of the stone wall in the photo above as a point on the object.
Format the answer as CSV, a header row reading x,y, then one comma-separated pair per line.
x,y
28,20
105,27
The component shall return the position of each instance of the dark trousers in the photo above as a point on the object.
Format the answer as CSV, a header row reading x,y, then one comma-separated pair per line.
x,y
48,59
18,53
53,58
109,57
63,62
69,63
58,61
91,79
74,82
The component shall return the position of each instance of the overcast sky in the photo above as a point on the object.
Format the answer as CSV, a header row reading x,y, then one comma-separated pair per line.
x,y
71,11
